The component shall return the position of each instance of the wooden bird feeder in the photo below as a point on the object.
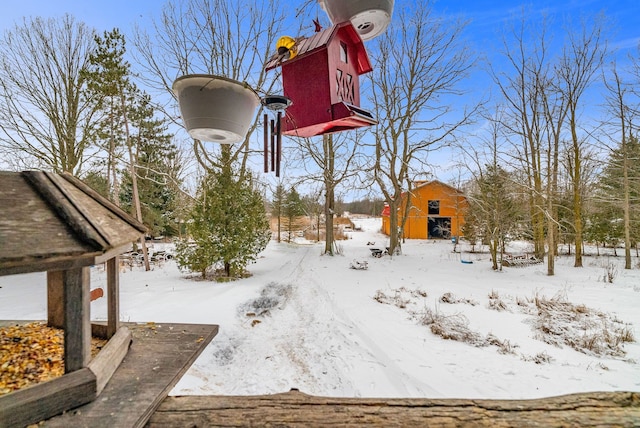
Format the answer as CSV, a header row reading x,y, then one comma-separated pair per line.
x,y
55,223
322,81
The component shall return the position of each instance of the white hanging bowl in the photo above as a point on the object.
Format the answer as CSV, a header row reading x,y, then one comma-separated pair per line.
x,y
369,17
215,108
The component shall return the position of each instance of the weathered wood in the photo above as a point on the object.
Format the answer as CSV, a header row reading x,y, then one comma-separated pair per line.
x,y
77,323
52,222
30,405
29,231
64,207
295,409
159,356
110,356
55,298
113,296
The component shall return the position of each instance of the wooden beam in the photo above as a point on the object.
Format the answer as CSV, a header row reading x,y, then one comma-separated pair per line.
x,y
109,358
77,323
55,298
113,296
44,400
295,409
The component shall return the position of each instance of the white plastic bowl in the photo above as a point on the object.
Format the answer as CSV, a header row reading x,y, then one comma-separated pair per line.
x,y
215,108
369,17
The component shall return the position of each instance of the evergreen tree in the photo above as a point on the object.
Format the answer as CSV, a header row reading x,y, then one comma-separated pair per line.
x,y
493,212
618,194
228,226
157,172
107,77
97,182
293,208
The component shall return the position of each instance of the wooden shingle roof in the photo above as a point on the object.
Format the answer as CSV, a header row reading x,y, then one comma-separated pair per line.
x,y
50,221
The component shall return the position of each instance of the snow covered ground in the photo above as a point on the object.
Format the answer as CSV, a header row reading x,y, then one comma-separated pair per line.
x,y
308,321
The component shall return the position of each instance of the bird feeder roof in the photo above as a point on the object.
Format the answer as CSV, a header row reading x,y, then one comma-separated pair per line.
x,y
54,221
320,40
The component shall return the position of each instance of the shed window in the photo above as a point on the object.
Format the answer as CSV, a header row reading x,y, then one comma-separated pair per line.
x,y
434,207
343,52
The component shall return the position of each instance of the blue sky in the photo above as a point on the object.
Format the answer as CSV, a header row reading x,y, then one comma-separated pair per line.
x,y
486,16
486,19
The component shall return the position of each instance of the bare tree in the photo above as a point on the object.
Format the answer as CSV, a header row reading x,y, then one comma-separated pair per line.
x,y
536,110
42,110
581,60
418,64
623,113
520,86
231,38
331,160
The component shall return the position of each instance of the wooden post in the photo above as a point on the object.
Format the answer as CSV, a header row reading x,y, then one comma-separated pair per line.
x,y
77,323
113,296
55,298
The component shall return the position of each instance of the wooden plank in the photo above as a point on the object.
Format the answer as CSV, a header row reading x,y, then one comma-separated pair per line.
x,y
30,405
113,296
65,208
295,409
48,260
159,356
77,323
109,358
55,298
105,203
26,219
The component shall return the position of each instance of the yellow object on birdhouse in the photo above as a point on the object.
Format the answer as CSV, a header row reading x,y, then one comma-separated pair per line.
x,y
286,47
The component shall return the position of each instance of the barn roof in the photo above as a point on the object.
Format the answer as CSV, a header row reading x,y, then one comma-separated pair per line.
x,y
424,183
50,221
309,45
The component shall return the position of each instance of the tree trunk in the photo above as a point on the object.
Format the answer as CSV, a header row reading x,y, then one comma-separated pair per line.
x,y
394,237
493,250
551,257
627,204
329,185
328,221
577,199
279,226
134,184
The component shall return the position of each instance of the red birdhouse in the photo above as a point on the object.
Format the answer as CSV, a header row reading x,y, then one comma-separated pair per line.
x,y
321,78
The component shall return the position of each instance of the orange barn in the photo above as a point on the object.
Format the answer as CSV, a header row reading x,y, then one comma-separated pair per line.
x,y
437,211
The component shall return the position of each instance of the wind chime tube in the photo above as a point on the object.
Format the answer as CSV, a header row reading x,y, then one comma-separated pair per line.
x,y
266,142
273,146
279,143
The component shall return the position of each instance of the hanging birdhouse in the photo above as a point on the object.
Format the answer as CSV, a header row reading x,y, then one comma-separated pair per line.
x,y
215,108
322,81
369,17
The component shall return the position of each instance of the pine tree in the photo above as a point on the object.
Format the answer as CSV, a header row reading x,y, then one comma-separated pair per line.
x,y
157,172
228,226
493,212
619,193
293,208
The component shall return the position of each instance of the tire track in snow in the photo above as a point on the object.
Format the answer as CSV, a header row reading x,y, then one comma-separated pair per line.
x,y
355,355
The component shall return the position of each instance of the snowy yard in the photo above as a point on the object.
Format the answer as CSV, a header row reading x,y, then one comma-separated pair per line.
x,y
308,321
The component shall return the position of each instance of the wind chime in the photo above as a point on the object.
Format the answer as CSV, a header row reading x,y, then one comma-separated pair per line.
x,y
273,132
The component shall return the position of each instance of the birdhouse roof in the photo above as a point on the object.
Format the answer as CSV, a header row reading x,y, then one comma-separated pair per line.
x,y
54,221
320,40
